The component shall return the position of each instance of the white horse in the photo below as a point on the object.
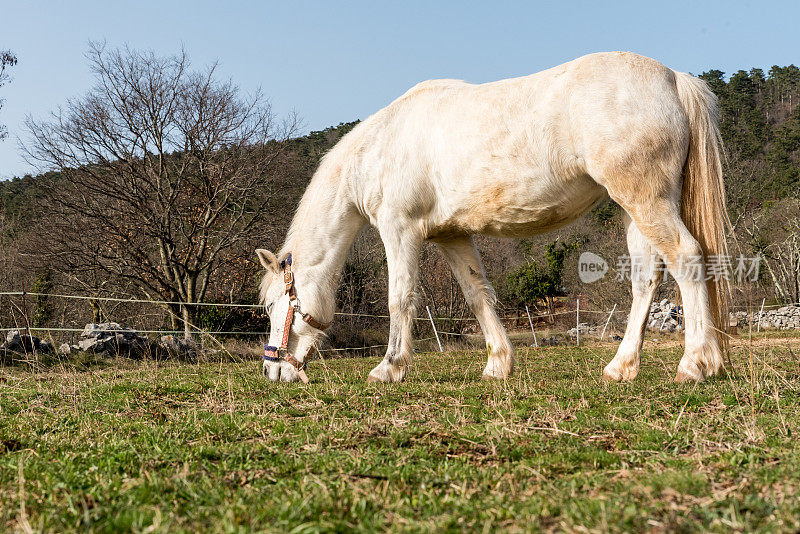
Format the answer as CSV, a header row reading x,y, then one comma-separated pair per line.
x,y
513,158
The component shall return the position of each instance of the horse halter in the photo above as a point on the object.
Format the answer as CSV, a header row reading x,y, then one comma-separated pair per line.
x,y
272,354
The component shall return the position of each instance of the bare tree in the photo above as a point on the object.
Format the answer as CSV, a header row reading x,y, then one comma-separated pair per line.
x,y
774,234
783,264
7,59
162,172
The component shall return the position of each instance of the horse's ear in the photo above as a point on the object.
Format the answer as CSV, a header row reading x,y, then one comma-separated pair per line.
x,y
268,260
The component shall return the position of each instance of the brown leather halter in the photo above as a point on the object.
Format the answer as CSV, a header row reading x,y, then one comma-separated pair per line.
x,y
271,353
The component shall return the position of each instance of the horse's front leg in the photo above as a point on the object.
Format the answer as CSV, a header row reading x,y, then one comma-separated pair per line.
x,y
402,255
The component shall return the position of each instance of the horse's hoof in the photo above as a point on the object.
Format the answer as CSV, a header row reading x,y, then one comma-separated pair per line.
x,y
689,371
386,373
683,377
615,375
496,373
375,380
495,370
608,377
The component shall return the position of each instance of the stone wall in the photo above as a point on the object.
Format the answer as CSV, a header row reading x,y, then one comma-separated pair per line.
x,y
665,316
783,318
106,339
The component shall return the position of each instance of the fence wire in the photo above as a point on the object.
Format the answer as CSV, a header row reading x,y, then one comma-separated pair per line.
x,y
200,331
259,306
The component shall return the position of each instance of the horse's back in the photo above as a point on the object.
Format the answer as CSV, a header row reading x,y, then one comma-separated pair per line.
x,y
513,157
605,96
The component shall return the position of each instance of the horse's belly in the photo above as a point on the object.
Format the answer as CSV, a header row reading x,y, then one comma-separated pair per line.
x,y
522,223
519,221
506,212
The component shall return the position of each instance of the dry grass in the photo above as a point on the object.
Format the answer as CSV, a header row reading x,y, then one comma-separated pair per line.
x,y
122,445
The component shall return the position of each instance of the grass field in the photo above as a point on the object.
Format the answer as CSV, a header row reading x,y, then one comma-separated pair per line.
x,y
145,446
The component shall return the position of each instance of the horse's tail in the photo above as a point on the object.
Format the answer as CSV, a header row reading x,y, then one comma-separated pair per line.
x,y
703,197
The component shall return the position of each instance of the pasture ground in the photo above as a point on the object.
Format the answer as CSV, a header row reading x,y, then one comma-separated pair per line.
x,y
146,446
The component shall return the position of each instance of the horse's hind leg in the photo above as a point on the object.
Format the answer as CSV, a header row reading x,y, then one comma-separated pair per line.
x,y
466,264
651,201
646,273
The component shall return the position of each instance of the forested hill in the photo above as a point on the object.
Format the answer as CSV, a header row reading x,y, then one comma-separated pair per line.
x,y
760,124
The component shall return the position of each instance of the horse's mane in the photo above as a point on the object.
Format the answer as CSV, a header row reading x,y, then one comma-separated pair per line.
x,y
333,167
307,202
324,186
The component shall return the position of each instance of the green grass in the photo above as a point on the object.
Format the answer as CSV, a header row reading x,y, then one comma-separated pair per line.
x,y
214,447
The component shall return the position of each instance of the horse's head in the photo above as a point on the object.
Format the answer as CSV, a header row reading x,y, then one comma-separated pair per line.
x,y
293,334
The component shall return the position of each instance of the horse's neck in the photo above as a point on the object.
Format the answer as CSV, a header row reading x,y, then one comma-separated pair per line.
x,y
325,227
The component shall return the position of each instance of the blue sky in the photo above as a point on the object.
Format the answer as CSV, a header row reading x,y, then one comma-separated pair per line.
x,y
333,62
